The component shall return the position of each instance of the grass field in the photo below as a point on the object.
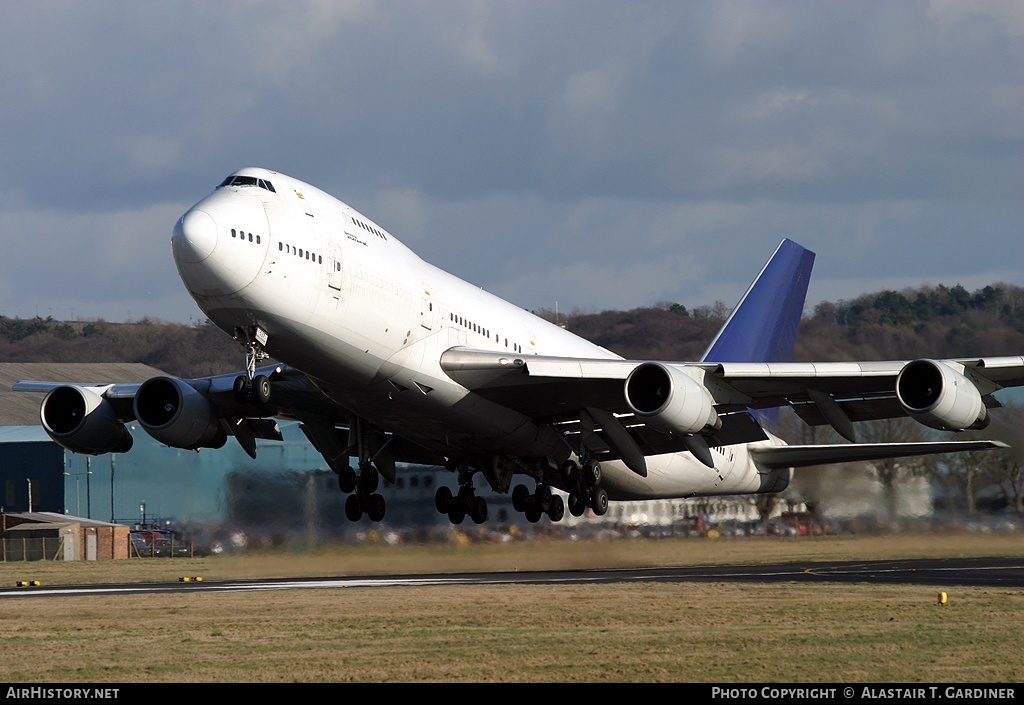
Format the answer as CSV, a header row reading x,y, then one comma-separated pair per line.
x,y
719,632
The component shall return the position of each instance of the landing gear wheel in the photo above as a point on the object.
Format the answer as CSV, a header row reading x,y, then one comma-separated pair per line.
x,y
456,514
347,480
369,479
261,388
543,495
520,497
353,508
557,509
592,474
478,510
242,388
599,501
533,512
577,505
443,499
465,497
375,507
569,470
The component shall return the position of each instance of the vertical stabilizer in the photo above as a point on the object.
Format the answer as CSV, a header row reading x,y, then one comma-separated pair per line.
x,y
764,324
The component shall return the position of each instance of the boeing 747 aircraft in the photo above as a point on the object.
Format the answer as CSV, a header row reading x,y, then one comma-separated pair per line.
x,y
385,359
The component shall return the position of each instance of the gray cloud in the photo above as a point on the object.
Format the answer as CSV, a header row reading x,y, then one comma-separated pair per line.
x,y
597,154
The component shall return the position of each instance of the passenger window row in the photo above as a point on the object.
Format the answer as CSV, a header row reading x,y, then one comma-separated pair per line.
x,y
370,229
459,320
300,252
243,235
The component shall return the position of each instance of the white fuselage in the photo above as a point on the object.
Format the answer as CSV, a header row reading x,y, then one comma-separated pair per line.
x,y
345,302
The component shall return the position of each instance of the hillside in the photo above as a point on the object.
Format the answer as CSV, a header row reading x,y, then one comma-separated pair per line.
x,y
185,351
928,321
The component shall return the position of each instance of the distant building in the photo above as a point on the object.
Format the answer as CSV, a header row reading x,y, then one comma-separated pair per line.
x,y
33,536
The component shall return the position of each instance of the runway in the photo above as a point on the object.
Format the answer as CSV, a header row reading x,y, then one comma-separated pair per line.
x,y
980,572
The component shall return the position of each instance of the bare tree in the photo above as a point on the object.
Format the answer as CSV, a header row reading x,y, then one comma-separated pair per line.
x,y
892,472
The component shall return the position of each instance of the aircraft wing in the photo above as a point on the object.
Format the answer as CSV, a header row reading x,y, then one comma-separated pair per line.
x,y
951,394
799,456
201,413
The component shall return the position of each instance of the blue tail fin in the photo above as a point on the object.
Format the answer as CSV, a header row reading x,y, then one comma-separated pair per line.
x,y
764,324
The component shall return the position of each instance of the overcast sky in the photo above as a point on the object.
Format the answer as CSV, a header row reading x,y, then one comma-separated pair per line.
x,y
586,155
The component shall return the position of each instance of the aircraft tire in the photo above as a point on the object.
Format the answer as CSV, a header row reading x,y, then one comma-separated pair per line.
x,y
347,480
456,514
376,507
543,495
593,474
533,512
369,479
353,508
443,499
557,509
242,389
599,501
520,498
569,470
478,510
261,388
577,505
465,498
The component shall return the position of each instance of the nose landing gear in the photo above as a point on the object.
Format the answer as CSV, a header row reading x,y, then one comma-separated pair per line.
x,y
251,387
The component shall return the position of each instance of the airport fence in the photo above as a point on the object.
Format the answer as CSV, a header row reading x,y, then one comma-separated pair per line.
x,y
47,548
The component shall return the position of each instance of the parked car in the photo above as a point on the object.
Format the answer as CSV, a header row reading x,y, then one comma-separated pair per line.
x,y
155,543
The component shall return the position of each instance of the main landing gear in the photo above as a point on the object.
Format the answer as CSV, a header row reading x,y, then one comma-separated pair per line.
x,y
361,487
465,503
362,492
542,501
584,487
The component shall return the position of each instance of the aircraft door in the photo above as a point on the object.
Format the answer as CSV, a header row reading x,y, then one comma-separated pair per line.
x,y
426,308
334,266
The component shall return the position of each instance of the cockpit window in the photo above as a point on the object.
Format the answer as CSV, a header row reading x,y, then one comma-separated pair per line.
x,y
239,180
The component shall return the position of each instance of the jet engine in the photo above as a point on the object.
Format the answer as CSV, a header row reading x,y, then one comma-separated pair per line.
x,y
178,415
82,421
670,400
938,396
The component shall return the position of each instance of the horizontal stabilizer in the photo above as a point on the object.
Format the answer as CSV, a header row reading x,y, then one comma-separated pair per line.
x,y
803,456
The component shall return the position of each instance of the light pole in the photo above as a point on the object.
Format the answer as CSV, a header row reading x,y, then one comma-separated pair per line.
x,y
112,489
78,489
88,494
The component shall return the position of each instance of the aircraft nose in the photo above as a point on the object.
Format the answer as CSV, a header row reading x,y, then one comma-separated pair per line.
x,y
195,236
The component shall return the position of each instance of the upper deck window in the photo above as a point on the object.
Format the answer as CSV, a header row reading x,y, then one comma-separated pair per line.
x,y
239,180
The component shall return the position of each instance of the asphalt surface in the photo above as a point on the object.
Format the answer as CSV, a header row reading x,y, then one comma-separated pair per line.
x,y
982,572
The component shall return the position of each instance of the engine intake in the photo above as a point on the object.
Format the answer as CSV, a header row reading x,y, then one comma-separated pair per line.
x,y
670,400
79,419
936,395
177,415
